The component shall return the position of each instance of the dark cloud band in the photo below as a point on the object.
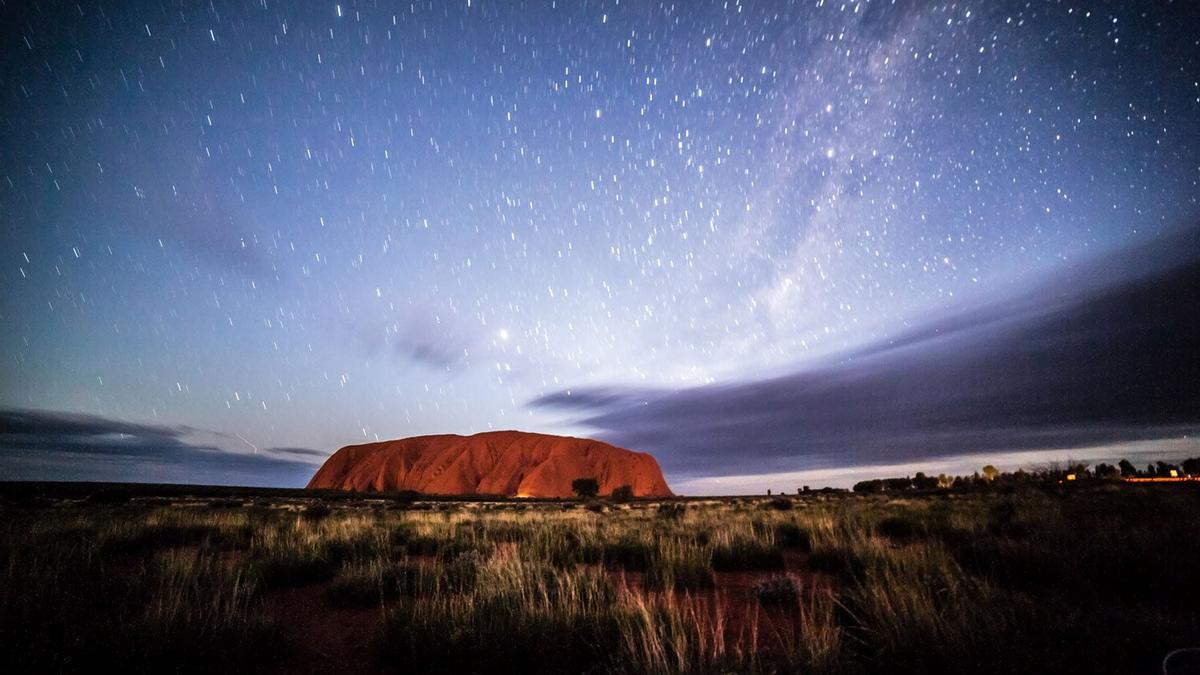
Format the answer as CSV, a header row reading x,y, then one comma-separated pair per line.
x,y
48,445
1106,354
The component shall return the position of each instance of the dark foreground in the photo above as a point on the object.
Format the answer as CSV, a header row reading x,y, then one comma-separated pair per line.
x,y
1101,578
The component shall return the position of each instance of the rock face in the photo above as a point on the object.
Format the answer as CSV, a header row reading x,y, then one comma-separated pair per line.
x,y
512,463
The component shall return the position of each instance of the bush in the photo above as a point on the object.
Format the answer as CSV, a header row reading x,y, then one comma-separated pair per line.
x,y
559,546
746,554
779,504
623,493
872,486
299,569
778,590
422,545
585,488
671,510
791,535
680,573
899,529
840,561
628,554
316,512
1002,521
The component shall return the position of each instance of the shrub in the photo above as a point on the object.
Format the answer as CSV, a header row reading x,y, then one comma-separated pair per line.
x,y
1002,521
295,569
460,546
585,488
628,554
869,486
779,504
422,545
898,529
746,554
560,546
672,510
791,535
837,560
681,572
316,512
356,587
622,493
1014,565
777,590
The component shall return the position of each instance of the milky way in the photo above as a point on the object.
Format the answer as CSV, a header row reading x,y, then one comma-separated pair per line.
x,y
261,227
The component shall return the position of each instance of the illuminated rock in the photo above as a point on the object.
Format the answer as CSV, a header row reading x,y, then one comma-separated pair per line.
x,y
510,463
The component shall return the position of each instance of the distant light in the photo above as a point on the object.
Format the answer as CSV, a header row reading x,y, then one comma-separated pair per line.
x,y
503,333
829,153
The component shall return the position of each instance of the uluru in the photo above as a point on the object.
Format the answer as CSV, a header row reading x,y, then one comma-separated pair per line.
x,y
508,463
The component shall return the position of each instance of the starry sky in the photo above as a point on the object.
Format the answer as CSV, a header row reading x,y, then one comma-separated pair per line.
x,y
754,239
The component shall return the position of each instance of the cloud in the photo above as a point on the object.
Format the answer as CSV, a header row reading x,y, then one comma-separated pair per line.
x,y
307,453
50,445
418,334
1104,354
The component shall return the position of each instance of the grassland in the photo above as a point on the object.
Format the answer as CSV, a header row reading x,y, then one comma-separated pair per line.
x,y
1102,579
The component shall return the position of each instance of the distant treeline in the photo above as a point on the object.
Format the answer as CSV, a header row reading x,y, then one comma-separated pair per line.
x,y
989,475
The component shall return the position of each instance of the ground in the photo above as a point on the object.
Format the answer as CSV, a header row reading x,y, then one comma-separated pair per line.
x,y
1035,578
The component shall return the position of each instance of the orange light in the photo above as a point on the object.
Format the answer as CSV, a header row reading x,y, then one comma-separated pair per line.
x,y
1070,476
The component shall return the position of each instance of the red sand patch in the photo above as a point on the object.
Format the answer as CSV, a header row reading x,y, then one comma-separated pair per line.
x,y
325,639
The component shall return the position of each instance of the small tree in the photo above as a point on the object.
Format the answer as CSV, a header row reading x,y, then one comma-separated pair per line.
x,y
869,486
990,473
622,493
585,488
1127,468
1165,469
1191,466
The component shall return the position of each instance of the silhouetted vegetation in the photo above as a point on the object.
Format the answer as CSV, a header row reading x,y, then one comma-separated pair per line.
x,y
622,493
989,477
585,488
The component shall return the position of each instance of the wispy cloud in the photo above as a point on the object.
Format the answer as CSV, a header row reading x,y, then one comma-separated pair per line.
x,y
418,334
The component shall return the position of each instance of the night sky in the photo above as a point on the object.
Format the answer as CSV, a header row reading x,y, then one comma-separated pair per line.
x,y
754,239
